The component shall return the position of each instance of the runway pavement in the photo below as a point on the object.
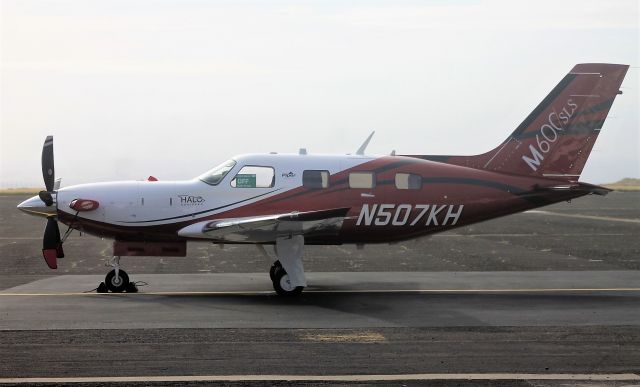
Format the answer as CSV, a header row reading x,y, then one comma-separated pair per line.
x,y
333,300
547,297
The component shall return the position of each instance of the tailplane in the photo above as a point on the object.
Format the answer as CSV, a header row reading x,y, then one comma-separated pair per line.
x,y
556,138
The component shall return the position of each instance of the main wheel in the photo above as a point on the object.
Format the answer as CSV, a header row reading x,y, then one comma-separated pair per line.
x,y
272,271
282,284
117,284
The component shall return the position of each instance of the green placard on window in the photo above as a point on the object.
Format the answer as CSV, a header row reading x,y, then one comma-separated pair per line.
x,y
246,181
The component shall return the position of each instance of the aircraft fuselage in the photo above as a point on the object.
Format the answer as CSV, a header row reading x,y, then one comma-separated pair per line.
x,y
446,196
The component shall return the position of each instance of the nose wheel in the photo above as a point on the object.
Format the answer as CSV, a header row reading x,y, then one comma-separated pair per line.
x,y
117,280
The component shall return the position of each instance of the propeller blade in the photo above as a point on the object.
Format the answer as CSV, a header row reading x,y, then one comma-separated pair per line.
x,y
59,251
46,197
51,234
48,170
51,246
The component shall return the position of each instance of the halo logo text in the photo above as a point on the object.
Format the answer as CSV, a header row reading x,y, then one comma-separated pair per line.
x,y
190,200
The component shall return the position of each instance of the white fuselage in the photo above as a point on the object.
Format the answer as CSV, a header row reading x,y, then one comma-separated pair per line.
x,y
152,203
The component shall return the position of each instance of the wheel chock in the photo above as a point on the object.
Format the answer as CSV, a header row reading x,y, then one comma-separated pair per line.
x,y
131,288
102,288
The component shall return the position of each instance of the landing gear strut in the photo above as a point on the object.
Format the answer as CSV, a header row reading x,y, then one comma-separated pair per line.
x,y
287,273
117,280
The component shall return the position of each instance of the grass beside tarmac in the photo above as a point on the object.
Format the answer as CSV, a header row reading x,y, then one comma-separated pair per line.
x,y
20,191
626,184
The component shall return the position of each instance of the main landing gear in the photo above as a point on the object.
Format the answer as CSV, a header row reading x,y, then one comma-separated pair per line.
x,y
281,281
287,273
117,280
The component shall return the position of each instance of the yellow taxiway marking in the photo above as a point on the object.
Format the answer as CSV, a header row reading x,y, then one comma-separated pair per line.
x,y
22,238
579,216
526,235
354,291
347,337
331,378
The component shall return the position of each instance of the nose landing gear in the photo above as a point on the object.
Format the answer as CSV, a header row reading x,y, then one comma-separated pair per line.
x,y
117,280
117,283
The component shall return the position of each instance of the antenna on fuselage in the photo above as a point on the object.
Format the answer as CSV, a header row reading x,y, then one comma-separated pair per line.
x,y
362,148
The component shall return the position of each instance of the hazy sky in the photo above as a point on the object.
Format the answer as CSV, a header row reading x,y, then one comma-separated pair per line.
x,y
171,88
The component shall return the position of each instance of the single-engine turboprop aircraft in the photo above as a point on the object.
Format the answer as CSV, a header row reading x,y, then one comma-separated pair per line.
x,y
292,200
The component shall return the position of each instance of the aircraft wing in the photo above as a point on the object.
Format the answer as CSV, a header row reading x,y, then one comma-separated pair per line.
x,y
266,228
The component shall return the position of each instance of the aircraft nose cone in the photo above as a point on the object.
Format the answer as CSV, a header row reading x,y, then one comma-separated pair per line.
x,y
35,206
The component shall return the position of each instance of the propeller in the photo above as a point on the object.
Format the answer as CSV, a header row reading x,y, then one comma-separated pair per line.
x,y
51,242
48,171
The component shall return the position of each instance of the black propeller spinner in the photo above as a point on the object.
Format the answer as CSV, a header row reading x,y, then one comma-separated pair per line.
x,y
51,242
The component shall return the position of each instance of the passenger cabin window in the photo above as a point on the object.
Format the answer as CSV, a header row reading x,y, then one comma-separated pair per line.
x,y
254,177
315,179
408,181
215,176
361,180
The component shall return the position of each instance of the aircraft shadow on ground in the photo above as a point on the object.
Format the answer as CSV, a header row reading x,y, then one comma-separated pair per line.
x,y
437,308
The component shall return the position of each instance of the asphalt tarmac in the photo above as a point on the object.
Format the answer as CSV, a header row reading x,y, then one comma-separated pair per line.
x,y
550,297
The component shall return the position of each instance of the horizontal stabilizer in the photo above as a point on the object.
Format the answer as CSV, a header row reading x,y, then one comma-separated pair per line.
x,y
578,187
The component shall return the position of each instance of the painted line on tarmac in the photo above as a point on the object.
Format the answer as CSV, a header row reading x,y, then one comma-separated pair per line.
x,y
339,291
523,235
444,235
22,238
325,378
579,216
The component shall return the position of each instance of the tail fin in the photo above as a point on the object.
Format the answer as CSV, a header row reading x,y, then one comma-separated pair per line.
x,y
556,138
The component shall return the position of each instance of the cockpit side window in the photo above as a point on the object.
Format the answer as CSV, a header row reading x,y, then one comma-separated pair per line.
x,y
254,176
215,176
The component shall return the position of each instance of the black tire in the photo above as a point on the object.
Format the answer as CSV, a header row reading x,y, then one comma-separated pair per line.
x,y
272,271
280,282
117,286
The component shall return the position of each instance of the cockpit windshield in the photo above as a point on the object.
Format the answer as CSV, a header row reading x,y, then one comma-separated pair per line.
x,y
214,176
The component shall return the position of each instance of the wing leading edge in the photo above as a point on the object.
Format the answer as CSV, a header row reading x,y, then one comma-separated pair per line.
x,y
267,228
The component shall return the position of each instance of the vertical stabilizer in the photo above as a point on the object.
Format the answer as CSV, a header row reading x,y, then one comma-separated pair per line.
x,y
556,138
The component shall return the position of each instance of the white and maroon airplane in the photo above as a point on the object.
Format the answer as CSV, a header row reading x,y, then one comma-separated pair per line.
x,y
289,200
